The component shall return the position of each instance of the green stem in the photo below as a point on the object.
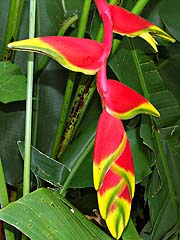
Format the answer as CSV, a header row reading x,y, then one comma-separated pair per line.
x,y
76,167
28,124
140,5
4,201
63,114
138,67
81,100
14,17
30,67
70,84
84,18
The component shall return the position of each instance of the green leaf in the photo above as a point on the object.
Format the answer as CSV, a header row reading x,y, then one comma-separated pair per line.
x,y
145,78
12,83
11,130
164,222
169,13
45,167
169,68
130,232
47,215
140,155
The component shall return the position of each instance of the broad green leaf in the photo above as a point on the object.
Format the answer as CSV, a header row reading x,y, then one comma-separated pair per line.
x,y
169,13
3,19
140,155
130,232
61,9
12,117
12,83
51,87
45,167
47,215
169,68
145,78
164,222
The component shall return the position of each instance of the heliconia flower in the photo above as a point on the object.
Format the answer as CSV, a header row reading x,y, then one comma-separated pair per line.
x,y
132,25
77,54
113,173
123,102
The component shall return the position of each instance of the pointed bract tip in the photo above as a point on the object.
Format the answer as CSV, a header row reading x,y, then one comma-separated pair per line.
x,y
76,54
156,31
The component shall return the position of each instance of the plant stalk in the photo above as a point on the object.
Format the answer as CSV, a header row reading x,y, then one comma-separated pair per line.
x,y
76,167
28,123
139,6
14,17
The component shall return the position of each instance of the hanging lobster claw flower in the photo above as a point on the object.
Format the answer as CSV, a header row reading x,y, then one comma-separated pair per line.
x,y
132,25
77,54
123,102
113,173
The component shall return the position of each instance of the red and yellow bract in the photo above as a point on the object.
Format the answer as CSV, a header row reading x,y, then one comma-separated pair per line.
x,y
113,173
77,54
133,103
132,25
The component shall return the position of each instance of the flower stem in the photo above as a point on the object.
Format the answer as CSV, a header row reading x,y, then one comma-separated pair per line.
x,y
14,17
63,114
30,67
76,167
137,9
84,19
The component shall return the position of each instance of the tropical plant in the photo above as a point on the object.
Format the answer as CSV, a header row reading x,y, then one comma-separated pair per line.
x,y
70,147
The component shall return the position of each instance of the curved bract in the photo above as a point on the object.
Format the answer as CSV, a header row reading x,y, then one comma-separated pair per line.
x,y
132,25
123,102
113,173
77,54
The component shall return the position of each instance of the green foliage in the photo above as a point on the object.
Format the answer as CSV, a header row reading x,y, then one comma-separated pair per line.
x,y
13,83
154,142
48,215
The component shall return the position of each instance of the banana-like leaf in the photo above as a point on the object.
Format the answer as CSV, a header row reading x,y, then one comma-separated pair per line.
x,y
113,173
123,102
162,187
77,54
131,25
47,215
